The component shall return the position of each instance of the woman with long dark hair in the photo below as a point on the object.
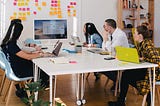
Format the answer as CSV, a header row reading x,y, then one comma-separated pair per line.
x,y
20,60
93,37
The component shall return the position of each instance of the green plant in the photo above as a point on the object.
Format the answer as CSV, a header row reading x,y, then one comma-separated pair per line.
x,y
31,88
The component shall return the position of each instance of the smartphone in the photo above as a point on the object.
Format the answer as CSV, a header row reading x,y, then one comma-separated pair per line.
x,y
109,58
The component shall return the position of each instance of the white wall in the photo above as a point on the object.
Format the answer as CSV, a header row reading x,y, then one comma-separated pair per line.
x,y
97,11
157,23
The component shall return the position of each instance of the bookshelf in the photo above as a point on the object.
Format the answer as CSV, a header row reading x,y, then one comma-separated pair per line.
x,y
129,13
132,13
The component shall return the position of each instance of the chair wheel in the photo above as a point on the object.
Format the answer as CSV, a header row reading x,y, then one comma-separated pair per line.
x,y
83,101
79,102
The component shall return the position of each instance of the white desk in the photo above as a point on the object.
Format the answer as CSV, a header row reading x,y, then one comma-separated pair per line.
x,y
86,62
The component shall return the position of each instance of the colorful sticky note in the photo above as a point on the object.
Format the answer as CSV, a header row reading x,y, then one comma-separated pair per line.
x,y
44,3
74,15
59,16
14,3
39,8
14,13
34,12
26,4
51,13
28,9
28,13
12,17
36,4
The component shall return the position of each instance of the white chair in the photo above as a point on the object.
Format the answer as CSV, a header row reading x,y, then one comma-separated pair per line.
x,y
5,65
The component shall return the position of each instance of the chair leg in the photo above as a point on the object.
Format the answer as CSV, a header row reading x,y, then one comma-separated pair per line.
x,y
119,74
2,83
144,100
28,93
106,83
87,75
9,93
7,90
158,93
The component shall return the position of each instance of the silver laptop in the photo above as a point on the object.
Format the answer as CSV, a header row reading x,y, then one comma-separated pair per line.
x,y
95,50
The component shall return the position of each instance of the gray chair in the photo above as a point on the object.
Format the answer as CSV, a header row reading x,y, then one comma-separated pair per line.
x,y
5,65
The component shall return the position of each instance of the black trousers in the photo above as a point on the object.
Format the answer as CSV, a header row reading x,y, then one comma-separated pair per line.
x,y
111,75
130,77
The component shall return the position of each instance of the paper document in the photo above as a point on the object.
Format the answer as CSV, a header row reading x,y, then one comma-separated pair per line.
x,y
60,60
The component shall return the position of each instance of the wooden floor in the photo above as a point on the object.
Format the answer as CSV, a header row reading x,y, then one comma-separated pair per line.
x,y
95,93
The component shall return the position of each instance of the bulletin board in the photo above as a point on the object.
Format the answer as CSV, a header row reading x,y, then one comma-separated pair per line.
x,y
28,10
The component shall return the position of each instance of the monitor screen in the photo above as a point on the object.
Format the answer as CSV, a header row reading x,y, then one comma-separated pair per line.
x,y
50,29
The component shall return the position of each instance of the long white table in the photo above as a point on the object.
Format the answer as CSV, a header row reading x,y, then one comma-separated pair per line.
x,y
85,62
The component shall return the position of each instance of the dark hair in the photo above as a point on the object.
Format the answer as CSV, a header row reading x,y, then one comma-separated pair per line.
x,y
18,27
91,29
143,30
112,23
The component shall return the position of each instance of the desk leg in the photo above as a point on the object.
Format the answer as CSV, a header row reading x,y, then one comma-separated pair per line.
x,y
52,102
80,90
35,79
77,89
152,85
153,95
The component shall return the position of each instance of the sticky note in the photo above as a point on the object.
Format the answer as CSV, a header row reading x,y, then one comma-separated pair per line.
x,y
44,3
34,12
39,8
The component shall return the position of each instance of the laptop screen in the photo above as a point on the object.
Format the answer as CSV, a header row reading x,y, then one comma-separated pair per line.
x,y
127,54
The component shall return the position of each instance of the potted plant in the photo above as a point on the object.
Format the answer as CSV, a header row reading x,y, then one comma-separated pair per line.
x,y
31,88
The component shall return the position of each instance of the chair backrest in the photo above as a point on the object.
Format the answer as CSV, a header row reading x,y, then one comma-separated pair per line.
x,y
5,65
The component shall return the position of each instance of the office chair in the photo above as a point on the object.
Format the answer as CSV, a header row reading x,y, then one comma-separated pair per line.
x,y
4,64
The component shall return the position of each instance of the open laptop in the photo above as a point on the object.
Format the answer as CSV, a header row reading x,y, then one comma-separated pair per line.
x,y
127,54
57,48
98,51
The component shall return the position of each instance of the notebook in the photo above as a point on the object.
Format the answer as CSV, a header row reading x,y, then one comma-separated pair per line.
x,y
127,54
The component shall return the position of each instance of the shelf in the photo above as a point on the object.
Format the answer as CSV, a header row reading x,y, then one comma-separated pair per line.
x,y
131,18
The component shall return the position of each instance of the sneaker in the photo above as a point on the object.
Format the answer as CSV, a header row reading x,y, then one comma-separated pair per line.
x,y
115,103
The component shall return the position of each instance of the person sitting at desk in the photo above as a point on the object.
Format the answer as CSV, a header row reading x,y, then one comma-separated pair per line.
x,y
112,37
20,60
93,39
26,46
148,53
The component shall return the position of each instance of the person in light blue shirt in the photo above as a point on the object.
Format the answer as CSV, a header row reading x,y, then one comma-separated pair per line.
x,y
93,37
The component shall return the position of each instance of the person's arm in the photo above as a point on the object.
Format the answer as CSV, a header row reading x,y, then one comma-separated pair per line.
x,y
98,43
152,53
105,36
29,56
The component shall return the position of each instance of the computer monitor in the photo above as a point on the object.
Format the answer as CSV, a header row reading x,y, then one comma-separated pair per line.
x,y
50,29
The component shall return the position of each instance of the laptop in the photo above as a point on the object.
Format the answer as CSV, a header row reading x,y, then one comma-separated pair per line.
x,y
57,48
98,51
127,54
